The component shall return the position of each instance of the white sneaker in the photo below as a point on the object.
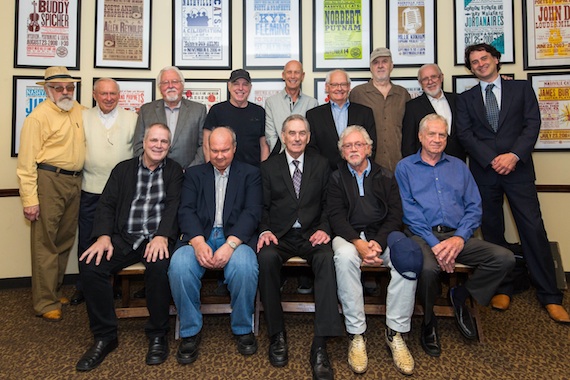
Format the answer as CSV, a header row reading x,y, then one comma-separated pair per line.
x,y
357,358
402,357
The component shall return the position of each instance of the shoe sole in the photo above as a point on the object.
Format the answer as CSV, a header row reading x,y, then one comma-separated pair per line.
x,y
186,360
247,351
278,364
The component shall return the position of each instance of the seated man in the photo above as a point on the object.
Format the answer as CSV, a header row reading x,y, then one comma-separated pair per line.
x,y
219,212
442,209
135,221
294,224
365,213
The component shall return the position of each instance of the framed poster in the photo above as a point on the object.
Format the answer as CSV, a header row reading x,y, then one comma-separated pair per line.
x,y
201,35
134,92
546,34
462,83
207,92
409,83
274,36
415,40
26,95
342,35
262,89
47,34
322,97
553,94
122,33
484,21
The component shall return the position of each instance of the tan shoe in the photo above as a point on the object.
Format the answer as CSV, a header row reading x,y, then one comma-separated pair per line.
x,y
64,301
558,313
357,357
402,357
500,302
52,316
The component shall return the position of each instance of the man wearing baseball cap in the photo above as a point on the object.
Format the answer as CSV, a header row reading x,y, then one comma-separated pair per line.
x,y
50,161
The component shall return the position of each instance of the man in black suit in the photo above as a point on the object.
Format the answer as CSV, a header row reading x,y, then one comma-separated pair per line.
x,y
294,223
498,123
135,222
433,100
329,120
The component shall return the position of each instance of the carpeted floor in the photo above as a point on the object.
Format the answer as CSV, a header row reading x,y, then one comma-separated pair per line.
x,y
521,343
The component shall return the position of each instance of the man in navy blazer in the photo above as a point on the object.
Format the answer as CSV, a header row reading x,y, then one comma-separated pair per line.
x,y
501,162
220,209
327,121
430,78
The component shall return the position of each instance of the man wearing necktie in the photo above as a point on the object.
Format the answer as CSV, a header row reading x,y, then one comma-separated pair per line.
x,y
498,125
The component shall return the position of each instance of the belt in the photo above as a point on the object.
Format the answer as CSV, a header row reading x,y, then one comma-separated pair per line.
x,y
442,229
58,170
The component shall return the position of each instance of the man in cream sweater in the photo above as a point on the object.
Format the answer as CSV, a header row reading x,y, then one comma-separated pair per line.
x,y
109,132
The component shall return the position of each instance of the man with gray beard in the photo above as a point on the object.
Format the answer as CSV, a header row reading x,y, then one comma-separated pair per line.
x,y
50,161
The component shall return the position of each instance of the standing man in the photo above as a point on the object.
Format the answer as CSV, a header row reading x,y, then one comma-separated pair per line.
x,y
50,160
294,223
442,209
245,118
109,132
287,102
329,120
184,117
388,102
219,213
433,100
498,124
365,214
135,222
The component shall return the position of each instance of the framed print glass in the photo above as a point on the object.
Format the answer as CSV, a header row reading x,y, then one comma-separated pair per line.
x,y
272,33
553,94
322,97
262,89
484,21
411,31
207,92
122,33
201,35
342,34
26,95
411,84
462,83
47,34
546,31
134,92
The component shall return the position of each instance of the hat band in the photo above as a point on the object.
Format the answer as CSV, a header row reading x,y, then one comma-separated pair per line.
x,y
59,76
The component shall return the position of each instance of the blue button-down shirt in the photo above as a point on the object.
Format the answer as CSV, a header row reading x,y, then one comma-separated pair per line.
x,y
360,178
443,194
340,116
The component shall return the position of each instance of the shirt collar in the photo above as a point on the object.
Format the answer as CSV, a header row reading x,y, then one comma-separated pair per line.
x,y
226,172
344,106
109,115
432,99
366,171
176,107
290,159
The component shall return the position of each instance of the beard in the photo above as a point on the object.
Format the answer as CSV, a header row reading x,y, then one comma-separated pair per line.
x,y
65,104
172,96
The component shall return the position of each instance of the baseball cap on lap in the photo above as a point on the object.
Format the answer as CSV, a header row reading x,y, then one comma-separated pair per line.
x,y
406,255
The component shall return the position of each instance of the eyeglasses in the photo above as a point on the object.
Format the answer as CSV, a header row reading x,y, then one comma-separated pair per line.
x,y
173,82
69,88
433,78
337,85
357,145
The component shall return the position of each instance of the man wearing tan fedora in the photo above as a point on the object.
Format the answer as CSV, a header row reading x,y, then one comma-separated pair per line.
x,y
50,160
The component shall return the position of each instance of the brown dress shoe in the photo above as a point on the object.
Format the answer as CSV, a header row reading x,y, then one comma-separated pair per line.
x,y
558,313
52,316
64,301
500,302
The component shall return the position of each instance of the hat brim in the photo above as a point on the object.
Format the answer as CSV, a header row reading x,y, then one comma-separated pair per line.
x,y
59,80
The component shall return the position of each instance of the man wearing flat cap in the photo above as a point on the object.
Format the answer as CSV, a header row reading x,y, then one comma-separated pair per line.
x,y
365,214
245,118
50,160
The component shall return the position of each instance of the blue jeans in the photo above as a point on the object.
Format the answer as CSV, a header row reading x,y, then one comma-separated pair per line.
x,y
241,272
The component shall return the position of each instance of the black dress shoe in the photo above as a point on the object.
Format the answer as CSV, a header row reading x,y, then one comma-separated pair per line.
x,y
429,338
188,349
77,298
322,369
246,344
278,356
96,354
463,317
157,350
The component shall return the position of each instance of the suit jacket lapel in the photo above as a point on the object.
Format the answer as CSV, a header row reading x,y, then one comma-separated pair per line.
x,y
183,114
506,101
231,191
329,120
479,106
210,191
284,167
307,172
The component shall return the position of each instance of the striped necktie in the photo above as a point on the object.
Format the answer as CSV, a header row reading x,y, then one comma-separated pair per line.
x,y
297,177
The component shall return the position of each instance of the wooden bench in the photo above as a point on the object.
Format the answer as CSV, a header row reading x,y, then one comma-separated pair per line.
x,y
373,305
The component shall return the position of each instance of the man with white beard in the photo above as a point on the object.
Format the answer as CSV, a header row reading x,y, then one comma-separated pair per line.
x,y
50,161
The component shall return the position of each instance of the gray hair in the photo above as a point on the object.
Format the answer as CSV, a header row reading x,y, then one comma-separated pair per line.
x,y
330,73
349,130
161,126
296,117
105,79
429,65
169,68
229,129
432,117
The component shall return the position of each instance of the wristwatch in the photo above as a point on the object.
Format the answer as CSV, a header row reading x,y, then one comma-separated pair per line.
x,y
232,244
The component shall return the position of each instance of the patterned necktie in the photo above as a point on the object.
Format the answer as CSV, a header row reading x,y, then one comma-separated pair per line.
x,y
492,107
297,177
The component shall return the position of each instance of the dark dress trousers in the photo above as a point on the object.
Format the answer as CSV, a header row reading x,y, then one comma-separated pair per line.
x,y
519,125
281,209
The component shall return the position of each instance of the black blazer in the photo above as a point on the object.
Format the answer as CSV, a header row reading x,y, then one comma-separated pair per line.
x,y
281,208
519,125
324,137
416,109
